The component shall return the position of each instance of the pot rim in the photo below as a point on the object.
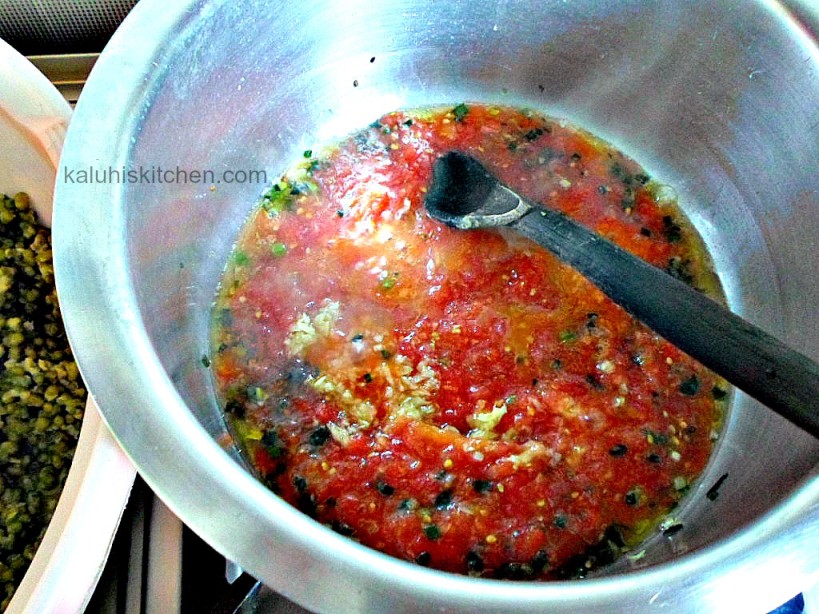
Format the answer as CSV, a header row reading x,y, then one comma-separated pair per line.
x,y
90,261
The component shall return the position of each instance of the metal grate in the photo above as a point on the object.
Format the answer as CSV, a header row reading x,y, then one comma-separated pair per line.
x,y
60,26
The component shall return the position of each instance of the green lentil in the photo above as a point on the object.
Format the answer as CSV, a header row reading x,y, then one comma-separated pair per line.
x,y
42,395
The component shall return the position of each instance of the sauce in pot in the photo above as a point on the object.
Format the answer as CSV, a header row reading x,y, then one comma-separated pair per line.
x,y
462,399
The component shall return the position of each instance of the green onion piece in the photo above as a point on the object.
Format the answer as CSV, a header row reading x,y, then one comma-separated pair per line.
x,y
567,335
460,112
240,258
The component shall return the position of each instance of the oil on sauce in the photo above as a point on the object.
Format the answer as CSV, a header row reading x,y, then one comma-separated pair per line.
x,y
462,400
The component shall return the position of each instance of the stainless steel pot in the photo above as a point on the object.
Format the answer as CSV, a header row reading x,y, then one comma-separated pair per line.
x,y
718,99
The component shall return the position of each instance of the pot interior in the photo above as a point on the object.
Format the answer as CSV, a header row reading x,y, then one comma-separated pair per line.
x,y
712,98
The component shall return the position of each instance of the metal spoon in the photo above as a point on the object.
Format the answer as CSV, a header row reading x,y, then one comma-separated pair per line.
x,y
465,195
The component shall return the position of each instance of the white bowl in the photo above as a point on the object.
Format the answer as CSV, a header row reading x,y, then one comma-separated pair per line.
x,y
69,561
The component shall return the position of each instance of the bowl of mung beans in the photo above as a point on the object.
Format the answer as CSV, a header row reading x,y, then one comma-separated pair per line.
x,y
64,481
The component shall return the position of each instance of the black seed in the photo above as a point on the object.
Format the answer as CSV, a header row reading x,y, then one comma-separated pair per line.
x,y
691,386
618,171
306,503
673,529
671,230
300,483
432,532
718,393
619,450
384,488
357,338
482,486
368,377
632,497
343,528
474,562
512,570
424,559
444,499
273,444
560,521
532,135
602,553
655,459
645,232
205,361
575,157
540,561
595,383
235,408
713,492
320,436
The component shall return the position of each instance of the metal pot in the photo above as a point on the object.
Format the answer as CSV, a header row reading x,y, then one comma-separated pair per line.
x,y
718,99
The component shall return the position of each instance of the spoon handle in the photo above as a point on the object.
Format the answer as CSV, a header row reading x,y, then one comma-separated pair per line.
x,y
751,359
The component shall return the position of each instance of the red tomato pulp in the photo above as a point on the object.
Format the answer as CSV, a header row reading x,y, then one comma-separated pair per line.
x,y
461,399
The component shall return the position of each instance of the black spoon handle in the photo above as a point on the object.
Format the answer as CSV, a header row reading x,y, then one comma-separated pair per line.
x,y
754,361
